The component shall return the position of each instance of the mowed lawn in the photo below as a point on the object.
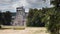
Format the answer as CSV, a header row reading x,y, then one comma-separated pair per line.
x,y
27,30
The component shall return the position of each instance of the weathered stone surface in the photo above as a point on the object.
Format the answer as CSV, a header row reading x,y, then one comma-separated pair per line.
x,y
20,17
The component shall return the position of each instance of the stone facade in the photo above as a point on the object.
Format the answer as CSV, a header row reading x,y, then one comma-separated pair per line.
x,y
20,18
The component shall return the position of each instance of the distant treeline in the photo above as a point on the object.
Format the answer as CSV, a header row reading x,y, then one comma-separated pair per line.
x,y
5,18
39,17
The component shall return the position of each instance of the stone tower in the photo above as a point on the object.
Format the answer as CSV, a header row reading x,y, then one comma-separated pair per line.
x,y
20,17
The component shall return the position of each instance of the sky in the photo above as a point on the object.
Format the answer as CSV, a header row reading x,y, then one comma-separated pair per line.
x,y
10,5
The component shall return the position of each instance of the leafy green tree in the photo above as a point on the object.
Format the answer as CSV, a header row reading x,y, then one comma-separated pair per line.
x,y
7,18
30,16
54,21
0,19
36,20
35,17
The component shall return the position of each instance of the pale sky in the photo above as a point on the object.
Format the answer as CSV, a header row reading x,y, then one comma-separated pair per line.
x,y
12,4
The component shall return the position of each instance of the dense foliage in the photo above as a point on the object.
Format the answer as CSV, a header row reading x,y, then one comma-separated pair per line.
x,y
54,21
50,17
0,17
35,18
5,18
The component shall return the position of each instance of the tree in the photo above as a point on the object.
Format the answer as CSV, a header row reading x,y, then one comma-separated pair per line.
x,y
35,17
0,19
36,20
7,18
54,21
30,16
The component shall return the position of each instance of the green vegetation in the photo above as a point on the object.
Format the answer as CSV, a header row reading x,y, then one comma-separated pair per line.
x,y
5,18
54,22
49,16
35,18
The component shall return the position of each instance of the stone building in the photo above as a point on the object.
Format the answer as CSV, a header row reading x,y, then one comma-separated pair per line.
x,y
20,18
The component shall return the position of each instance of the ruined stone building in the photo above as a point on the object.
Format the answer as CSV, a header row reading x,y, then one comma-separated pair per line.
x,y
19,19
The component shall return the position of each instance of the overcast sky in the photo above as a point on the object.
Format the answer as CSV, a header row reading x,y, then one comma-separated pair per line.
x,y
12,4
